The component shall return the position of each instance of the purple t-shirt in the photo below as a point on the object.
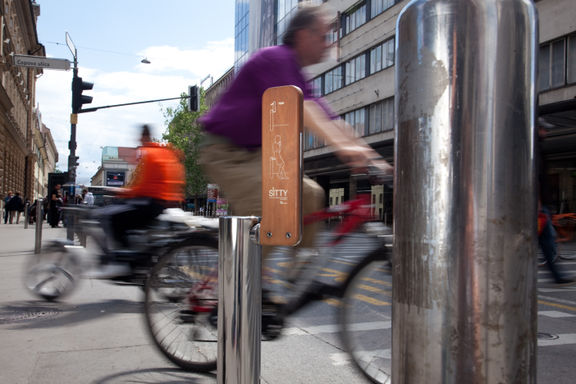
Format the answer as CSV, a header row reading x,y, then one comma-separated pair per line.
x,y
238,114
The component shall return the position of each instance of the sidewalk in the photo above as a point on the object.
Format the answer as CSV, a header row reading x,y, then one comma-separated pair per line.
x,y
14,238
97,335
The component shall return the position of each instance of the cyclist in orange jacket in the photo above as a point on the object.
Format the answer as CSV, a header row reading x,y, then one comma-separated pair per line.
x,y
158,183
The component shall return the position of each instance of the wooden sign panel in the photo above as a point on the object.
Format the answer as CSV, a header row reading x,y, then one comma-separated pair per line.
x,y
281,166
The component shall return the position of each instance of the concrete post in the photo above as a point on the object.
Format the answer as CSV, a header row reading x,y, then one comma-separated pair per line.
x,y
464,299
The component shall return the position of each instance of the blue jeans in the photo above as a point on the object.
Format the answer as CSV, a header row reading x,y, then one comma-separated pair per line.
x,y
547,242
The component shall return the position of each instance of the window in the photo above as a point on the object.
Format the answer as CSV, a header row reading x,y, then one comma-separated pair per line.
x,y
356,69
379,6
382,56
571,60
312,142
317,86
557,63
376,59
333,35
355,18
381,116
333,80
357,119
375,122
544,67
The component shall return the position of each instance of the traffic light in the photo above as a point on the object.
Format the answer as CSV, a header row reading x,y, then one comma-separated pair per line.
x,y
73,160
194,99
78,86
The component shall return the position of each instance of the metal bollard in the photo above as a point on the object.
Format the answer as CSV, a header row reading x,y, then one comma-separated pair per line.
x,y
464,298
70,220
38,233
26,214
240,301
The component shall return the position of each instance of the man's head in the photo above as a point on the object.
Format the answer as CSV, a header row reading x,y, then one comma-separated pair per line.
x,y
145,136
57,186
306,34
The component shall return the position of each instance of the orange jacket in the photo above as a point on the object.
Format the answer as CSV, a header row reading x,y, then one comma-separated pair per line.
x,y
159,174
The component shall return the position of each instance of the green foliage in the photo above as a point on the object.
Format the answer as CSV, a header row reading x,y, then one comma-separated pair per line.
x,y
184,133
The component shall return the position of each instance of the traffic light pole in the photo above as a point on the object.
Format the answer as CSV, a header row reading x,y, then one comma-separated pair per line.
x,y
72,159
72,143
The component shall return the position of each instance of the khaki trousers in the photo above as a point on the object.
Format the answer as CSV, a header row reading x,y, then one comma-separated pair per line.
x,y
238,172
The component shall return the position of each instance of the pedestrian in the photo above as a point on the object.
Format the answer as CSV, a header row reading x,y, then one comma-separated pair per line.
x,y
15,207
231,150
87,198
55,206
6,200
32,212
546,232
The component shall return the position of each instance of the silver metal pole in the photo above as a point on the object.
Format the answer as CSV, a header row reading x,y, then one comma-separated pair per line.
x,y
240,301
464,299
38,233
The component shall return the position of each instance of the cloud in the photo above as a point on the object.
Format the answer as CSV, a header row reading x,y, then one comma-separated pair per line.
x,y
170,73
215,59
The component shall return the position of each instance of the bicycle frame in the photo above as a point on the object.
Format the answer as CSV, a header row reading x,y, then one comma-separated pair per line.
x,y
356,212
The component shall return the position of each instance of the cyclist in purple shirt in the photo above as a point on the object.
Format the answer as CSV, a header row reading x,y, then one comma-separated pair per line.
x,y
231,155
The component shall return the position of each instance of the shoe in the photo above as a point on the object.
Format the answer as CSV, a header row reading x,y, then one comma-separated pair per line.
x,y
566,282
272,320
110,270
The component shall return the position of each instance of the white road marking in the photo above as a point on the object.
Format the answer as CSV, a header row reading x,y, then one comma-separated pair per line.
x,y
334,328
563,339
556,314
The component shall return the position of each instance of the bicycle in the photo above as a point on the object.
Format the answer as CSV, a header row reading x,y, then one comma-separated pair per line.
x,y
181,296
55,272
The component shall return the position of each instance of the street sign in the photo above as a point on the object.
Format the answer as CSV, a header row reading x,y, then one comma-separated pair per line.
x,y
41,62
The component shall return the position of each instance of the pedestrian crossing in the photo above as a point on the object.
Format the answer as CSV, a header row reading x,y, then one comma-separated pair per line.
x,y
552,304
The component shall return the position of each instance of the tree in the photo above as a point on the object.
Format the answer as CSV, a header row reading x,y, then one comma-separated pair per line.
x,y
184,133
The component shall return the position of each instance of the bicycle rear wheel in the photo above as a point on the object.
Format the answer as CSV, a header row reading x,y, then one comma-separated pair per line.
x,y
366,316
181,303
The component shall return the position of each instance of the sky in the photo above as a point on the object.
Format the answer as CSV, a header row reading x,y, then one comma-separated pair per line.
x,y
185,41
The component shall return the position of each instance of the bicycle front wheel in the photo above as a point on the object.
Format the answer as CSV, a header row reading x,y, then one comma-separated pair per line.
x,y
181,303
52,274
366,316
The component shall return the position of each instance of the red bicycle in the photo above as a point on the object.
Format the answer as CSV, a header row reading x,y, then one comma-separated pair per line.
x,y
181,295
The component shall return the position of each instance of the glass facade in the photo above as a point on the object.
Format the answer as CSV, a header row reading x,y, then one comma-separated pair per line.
x,y
241,48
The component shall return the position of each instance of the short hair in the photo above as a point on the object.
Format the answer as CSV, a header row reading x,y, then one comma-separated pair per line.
x,y
145,130
304,18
